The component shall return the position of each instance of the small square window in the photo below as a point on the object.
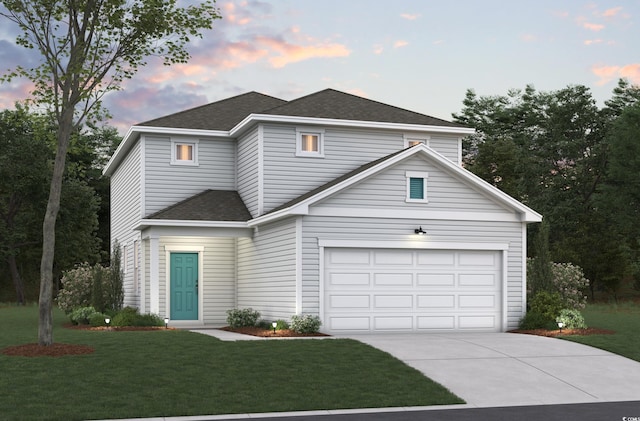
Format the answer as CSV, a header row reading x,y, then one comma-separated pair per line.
x,y
411,140
310,142
184,153
416,186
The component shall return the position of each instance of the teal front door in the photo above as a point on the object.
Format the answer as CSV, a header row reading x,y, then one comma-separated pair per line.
x,y
184,286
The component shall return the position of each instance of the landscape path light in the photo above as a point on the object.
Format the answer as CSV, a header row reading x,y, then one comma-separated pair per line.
x,y
166,323
560,325
274,324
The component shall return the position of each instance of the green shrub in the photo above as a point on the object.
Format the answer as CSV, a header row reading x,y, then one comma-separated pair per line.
x,y
125,317
149,320
534,320
547,304
281,325
572,319
305,323
97,319
82,315
242,317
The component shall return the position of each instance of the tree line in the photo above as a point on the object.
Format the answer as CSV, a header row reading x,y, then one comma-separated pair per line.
x,y
574,162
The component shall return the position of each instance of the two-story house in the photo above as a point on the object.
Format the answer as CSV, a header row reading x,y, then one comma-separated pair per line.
x,y
330,204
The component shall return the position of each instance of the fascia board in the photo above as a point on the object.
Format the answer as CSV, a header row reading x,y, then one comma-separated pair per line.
x,y
134,133
146,223
267,118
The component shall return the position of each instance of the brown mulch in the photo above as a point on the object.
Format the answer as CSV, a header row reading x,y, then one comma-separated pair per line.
x,y
264,333
117,328
565,332
53,350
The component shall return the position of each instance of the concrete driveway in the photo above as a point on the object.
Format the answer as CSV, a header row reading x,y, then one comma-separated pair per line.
x,y
505,369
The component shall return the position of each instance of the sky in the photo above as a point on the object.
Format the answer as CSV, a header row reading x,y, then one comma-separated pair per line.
x,y
422,55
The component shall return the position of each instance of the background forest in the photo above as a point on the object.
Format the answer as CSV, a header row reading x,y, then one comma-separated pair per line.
x,y
557,152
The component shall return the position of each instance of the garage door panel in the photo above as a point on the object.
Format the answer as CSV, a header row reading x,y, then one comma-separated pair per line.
x,y
478,279
436,258
412,290
393,258
349,324
349,301
394,323
436,322
477,301
356,279
477,321
436,301
393,279
393,301
436,279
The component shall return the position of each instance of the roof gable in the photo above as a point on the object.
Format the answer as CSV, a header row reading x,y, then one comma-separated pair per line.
x,y
301,204
210,205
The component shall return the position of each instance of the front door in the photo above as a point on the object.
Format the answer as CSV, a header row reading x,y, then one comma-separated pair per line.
x,y
184,286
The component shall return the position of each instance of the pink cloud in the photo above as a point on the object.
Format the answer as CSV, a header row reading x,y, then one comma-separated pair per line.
x,y
378,49
409,16
592,41
611,12
528,38
292,53
400,44
16,91
593,26
609,73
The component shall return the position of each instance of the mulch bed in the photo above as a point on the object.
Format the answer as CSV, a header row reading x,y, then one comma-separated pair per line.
x,y
565,332
264,333
53,350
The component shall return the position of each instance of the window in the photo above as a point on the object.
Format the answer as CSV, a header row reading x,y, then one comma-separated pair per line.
x,y
410,140
416,186
309,142
184,153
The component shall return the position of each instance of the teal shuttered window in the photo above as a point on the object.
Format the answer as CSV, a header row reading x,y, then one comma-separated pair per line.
x,y
416,188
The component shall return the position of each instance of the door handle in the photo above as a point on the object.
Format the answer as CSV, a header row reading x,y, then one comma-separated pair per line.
x,y
196,285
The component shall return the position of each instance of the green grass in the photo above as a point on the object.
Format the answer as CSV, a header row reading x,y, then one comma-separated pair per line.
x,y
172,373
624,319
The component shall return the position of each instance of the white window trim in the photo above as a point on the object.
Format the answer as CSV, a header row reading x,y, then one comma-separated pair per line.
x,y
415,138
417,174
193,143
300,131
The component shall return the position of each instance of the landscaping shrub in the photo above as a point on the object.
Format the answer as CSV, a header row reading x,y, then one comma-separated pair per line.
x,y
547,304
76,288
97,319
245,317
305,323
570,283
572,319
125,317
82,315
534,320
281,325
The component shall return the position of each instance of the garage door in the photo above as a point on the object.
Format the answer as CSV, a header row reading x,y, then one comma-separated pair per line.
x,y
377,290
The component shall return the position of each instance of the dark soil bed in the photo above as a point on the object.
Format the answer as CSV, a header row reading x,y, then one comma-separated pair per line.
x,y
53,350
258,331
565,332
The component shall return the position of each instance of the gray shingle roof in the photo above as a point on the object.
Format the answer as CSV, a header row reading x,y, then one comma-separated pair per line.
x,y
333,104
220,115
210,205
329,103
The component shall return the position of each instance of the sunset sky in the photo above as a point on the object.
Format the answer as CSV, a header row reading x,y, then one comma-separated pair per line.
x,y
417,54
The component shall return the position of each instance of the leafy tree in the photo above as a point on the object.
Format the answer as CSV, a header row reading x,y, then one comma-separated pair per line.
x,y
88,47
24,164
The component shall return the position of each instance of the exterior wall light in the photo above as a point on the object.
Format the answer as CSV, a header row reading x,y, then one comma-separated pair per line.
x,y
274,324
420,231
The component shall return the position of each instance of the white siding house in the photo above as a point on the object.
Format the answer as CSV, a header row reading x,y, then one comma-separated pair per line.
x,y
330,204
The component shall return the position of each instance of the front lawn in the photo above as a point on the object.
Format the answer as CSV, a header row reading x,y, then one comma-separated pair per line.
x,y
173,373
624,319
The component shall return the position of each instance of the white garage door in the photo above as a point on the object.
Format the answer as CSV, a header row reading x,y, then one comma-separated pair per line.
x,y
377,290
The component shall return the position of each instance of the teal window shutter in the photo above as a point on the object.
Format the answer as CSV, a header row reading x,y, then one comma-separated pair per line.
x,y
416,188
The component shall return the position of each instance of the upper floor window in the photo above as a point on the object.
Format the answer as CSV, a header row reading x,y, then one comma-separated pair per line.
x,y
184,153
410,140
416,186
310,142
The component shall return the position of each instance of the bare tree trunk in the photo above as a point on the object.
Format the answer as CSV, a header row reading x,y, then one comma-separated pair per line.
x,y
45,321
17,280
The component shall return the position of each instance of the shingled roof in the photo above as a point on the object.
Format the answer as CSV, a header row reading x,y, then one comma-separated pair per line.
x,y
210,205
329,104
221,115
